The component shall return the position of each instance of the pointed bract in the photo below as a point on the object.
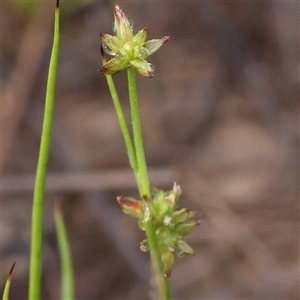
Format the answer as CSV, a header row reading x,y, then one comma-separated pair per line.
x,y
140,37
183,249
186,228
131,206
111,44
153,45
168,259
113,65
122,26
142,66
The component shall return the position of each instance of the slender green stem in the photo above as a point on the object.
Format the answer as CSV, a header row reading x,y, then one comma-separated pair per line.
x,y
67,273
124,128
39,189
157,263
137,134
161,280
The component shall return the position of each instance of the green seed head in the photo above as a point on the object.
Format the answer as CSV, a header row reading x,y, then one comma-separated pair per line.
x,y
129,50
170,224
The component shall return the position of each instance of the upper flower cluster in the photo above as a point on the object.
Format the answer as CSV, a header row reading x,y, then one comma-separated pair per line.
x,y
129,50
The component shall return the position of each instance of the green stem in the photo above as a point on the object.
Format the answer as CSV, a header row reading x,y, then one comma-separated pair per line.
x,y
157,263
137,135
124,128
161,280
67,273
39,188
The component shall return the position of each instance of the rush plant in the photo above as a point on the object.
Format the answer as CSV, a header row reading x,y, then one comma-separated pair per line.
x,y
156,210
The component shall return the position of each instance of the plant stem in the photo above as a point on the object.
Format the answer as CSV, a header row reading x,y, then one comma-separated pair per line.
x,y
39,188
67,273
157,263
124,128
161,280
137,134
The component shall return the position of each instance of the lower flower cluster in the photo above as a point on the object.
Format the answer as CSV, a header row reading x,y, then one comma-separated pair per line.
x,y
170,225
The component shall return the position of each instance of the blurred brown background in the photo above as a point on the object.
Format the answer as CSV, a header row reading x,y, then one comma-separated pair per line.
x,y
220,117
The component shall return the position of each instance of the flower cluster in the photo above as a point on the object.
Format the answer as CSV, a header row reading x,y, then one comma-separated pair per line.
x,y
129,50
170,225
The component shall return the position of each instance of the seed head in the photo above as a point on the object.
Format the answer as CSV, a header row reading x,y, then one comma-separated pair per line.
x,y
129,50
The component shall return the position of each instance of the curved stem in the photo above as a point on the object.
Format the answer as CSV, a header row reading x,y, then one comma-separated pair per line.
x,y
157,263
39,188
